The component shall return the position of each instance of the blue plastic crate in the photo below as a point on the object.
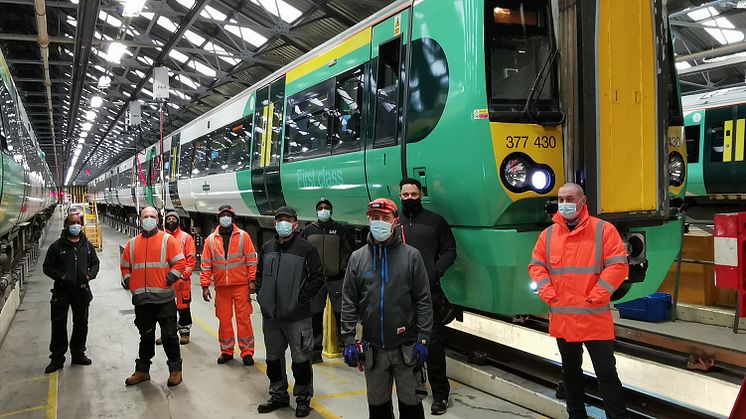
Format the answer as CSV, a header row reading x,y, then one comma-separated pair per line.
x,y
653,308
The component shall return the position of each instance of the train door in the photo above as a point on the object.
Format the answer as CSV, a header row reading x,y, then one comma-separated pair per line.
x,y
724,150
173,178
266,153
383,154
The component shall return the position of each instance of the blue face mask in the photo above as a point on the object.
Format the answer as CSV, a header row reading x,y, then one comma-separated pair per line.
x,y
149,224
381,230
226,222
568,210
284,228
74,229
324,215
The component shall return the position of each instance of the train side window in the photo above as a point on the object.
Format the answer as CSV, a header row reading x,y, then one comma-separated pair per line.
x,y
185,160
219,151
3,120
717,139
347,113
692,143
308,118
201,156
387,94
238,135
167,166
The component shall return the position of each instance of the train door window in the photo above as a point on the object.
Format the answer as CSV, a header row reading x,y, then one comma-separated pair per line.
x,y
260,121
347,113
167,166
219,151
387,94
3,119
692,143
185,161
717,142
262,97
201,156
238,135
277,96
308,118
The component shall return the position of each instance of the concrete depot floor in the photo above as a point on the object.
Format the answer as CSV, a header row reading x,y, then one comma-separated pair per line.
x,y
209,390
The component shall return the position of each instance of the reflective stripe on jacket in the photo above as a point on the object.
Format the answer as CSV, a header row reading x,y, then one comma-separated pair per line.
x,y
190,250
575,272
238,268
150,265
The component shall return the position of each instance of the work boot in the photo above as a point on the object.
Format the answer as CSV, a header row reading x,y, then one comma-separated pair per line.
x,y
159,341
317,358
271,406
224,358
175,378
302,410
81,360
248,360
439,407
136,378
53,366
184,339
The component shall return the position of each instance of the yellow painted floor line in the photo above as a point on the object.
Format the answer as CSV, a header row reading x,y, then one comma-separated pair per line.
x,y
52,396
22,411
339,395
320,409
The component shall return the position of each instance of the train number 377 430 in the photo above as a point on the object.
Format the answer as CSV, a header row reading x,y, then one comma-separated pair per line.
x,y
522,141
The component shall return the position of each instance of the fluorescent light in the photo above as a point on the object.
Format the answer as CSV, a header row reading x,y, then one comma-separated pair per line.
x,y
104,82
86,126
115,52
96,101
90,115
132,8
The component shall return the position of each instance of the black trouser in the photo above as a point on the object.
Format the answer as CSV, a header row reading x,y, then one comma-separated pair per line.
x,y
185,320
317,322
604,364
146,317
436,364
60,303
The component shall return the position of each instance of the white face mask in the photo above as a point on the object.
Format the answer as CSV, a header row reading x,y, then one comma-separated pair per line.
x,y
381,230
226,221
149,224
324,215
284,228
568,210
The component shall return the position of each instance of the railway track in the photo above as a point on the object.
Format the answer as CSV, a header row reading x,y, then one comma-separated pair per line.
x,y
645,345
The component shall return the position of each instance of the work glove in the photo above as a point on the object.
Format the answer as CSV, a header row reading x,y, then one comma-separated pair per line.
x,y
126,283
420,354
351,355
206,294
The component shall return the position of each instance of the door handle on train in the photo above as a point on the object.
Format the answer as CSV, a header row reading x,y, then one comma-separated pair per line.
x,y
384,159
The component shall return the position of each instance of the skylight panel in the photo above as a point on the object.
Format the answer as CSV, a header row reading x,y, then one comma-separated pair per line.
x,y
186,3
139,73
178,56
202,68
683,65
71,20
194,38
722,30
210,12
187,81
286,12
166,24
145,59
703,13
248,35
147,15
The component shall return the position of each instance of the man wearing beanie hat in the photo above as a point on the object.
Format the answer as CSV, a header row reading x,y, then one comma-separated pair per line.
x,y
334,244
183,289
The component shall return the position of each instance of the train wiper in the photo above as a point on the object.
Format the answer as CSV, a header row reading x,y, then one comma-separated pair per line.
x,y
545,118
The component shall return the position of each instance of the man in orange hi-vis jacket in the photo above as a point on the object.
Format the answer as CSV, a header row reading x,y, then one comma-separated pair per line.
x,y
151,263
577,264
229,261
183,288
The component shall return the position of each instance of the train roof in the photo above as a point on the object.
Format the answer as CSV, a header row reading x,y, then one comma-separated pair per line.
x,y
716,99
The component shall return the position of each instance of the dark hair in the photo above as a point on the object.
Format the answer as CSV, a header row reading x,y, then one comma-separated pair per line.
x,y
69,219
410,181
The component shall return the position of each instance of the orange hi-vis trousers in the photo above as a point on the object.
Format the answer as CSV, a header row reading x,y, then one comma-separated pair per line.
x,y
226,298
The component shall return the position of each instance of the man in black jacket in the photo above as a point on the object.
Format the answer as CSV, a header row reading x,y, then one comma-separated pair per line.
x,y
71,262
386,289
334,245
289,274
430,233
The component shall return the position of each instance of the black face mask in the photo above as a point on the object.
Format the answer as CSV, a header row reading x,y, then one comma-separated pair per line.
x,y
172,226
411,205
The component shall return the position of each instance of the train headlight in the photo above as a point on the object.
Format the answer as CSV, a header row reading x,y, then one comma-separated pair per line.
x,y
520,174
676,169
515,173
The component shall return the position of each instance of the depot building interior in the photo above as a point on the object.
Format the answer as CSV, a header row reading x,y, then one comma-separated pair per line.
x,y
489,106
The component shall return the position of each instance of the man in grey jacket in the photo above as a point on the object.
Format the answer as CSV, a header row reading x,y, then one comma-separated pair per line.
x,y
386,288
289,274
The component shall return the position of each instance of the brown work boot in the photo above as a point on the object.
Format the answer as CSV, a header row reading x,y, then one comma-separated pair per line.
x,y
184,339
175,378
136,378
159,341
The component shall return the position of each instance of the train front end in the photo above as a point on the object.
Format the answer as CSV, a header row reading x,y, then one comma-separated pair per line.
x,y
587,93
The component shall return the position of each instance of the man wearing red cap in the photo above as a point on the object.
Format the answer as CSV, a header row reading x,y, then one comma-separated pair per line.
x,y
386,288
229,261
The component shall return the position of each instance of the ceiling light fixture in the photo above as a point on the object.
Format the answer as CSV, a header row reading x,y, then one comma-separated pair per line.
x,y
96,102
132,8
115,52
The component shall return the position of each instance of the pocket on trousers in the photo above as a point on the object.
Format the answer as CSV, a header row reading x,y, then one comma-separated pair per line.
x,y
186,295
306,340
407,354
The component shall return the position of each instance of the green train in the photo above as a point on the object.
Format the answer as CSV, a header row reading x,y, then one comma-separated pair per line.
x,y
715,123
482,101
